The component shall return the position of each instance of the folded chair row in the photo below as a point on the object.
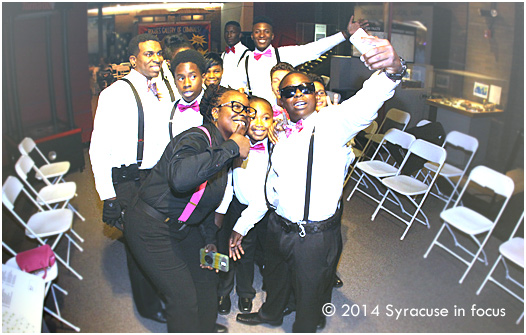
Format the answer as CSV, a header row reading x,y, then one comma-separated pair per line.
x,y
395,183
51,221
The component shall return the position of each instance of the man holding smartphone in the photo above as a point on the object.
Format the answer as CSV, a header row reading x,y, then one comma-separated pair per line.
x,y
304,240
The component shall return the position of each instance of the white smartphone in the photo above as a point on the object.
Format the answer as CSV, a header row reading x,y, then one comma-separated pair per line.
x,y
356,40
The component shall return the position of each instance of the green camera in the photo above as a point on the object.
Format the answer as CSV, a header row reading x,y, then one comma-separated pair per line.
x,y
215,260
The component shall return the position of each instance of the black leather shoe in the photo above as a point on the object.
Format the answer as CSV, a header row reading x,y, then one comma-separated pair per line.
x,y
338,282
253,319
321,324
287,311
224,305
159,316
220,328
245,305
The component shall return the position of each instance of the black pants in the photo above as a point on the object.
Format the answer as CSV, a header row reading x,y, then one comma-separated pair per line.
x,y
305,264
170,258
242,269
261,241
145,296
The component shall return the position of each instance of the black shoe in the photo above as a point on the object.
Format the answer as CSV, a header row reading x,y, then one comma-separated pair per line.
x,y
321,324
288,310
224,305
253,319
159,316
245,305
220,328
338,282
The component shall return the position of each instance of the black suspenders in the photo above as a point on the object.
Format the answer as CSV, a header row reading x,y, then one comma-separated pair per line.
x,y
308,180
140,131
246,68
242,55
240,58
171,118
167,83
269,165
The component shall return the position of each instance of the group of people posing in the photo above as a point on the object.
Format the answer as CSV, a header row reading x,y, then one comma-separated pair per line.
x,y
237,153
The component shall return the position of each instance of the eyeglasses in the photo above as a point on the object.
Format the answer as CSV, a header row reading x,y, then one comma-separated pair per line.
x,y
239,108
320,94
290,91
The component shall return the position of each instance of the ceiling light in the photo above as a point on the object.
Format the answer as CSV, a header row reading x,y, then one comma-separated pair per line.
x,y
122,9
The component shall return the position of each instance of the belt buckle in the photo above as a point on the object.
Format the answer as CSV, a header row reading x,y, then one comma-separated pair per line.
x,y
302,228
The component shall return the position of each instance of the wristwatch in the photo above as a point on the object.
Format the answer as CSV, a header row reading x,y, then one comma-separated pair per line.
x,y
346,34
397,76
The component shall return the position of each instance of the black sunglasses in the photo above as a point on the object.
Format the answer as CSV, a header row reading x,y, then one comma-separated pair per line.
x,y
290,91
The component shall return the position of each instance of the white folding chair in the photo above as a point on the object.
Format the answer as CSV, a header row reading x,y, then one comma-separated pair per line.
x,y
458,140
51,275
377,168
371,129
51,194
393,115
470,222
54,171
512,250
43,224
359,152
411,187
399,117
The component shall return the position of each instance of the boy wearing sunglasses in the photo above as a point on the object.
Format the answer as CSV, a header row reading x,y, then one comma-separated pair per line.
x,y
304,186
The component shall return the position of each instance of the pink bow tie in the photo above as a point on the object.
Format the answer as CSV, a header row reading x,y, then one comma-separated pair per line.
x,y
296,128
228,49
257,55
260,147
194,106
153,87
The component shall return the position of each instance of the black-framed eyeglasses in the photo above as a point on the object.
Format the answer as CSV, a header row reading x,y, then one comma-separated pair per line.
x,y
290,91
239,108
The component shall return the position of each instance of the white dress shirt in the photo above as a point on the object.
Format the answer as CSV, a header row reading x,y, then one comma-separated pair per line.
x,y
230,61
114,137
161,86
227,197
259,70
335,126
249,187
189,118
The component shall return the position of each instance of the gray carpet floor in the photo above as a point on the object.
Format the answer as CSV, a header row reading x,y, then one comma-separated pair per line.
x,y
385,280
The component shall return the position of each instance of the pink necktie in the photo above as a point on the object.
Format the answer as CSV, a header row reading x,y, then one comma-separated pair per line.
x,y
153,87
257,55
260,147
296,128
194,106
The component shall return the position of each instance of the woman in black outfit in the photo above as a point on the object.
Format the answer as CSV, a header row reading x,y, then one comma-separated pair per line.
x,y
166,248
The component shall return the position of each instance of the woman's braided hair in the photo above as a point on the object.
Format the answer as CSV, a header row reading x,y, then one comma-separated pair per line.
x,y
211,98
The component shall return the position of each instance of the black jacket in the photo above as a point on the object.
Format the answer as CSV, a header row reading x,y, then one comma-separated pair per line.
x,y
186,163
